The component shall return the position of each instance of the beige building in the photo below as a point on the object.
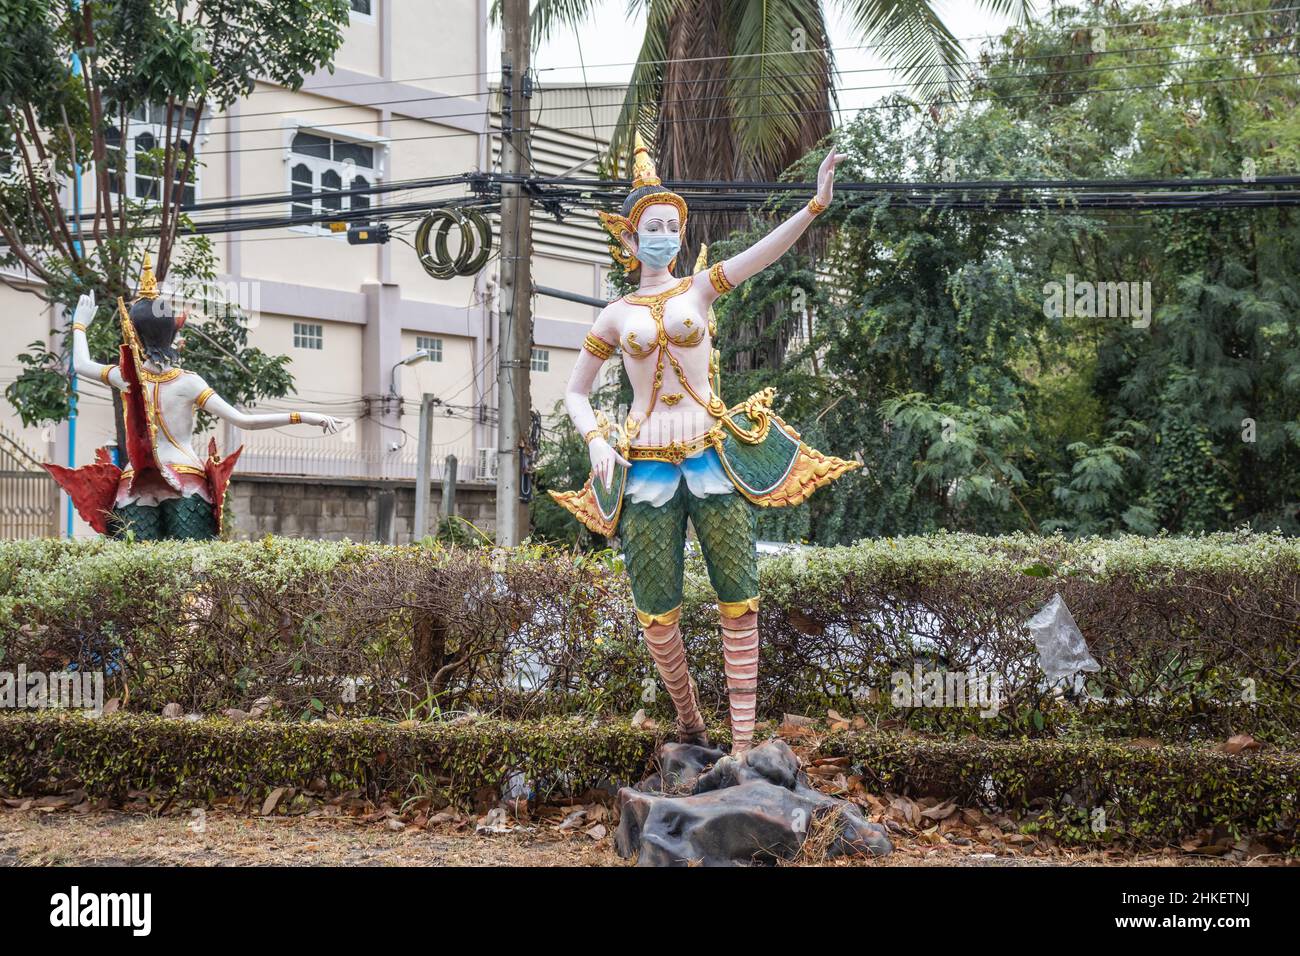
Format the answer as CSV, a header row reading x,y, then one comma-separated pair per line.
x,y
410,98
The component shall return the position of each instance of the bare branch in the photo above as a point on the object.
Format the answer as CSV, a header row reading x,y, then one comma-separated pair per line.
x,y
34,193
58,213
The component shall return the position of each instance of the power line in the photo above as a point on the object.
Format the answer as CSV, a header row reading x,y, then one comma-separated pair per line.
x,y
1159,21
978,99
989,36
670,82
717,193
903,85
871,107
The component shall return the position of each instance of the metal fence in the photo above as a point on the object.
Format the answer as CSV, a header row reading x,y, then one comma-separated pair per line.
x,y
324,459
29,498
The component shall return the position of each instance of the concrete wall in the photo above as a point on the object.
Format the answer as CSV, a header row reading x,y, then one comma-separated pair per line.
x,y
334,509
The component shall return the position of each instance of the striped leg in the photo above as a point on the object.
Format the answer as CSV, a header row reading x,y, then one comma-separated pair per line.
x,y
740,652
665,643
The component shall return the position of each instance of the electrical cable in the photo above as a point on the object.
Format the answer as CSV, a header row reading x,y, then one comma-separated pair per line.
x,y
812,73
870,107
1161,21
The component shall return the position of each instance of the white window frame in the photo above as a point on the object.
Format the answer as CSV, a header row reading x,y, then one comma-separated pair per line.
x,y
319,166
304,332
539,360
433,344
360,17
137,126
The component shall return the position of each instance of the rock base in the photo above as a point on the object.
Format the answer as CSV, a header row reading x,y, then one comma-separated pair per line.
x,y
706,808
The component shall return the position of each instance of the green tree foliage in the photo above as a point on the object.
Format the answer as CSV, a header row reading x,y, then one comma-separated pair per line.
x,y
178,62
937,357
926,342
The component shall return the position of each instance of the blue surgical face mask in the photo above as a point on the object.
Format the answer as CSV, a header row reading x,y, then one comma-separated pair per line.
x,y
658,250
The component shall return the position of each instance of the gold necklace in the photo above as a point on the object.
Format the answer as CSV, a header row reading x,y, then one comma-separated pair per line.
x,y
167,376
656,302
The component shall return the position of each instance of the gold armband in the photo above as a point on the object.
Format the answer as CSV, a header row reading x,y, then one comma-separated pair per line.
x,y
203,397
295,418
718,278
597,346
592,435
105,372
815,207
78,327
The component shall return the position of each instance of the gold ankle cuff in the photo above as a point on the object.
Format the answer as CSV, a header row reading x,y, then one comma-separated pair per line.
x,y
667,617
731,609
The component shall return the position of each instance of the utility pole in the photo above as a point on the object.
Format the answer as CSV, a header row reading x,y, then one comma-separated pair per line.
x,y
449,487
422,476
515,337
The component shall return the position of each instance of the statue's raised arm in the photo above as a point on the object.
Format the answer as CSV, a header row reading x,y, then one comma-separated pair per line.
x,y
778,242
166,490
82,363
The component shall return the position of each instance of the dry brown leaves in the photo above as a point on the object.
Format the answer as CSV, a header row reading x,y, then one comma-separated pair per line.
x,y
920,826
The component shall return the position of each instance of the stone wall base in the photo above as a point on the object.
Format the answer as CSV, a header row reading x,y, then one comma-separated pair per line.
x,y
357,509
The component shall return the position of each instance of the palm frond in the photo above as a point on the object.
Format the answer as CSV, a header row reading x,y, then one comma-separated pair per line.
x,y
548,16
910,36
779,80
640,112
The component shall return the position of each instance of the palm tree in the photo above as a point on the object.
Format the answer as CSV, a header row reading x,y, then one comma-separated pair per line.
x,y
740,89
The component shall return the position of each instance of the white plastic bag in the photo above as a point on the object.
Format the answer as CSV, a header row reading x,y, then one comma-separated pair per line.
x,y
1062,651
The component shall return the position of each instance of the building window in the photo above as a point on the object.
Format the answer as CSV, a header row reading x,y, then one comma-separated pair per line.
x,y
308,335
541,360
361,6
136,170
427,343
320,164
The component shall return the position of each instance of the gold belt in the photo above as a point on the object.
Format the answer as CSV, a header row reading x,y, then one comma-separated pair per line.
x,y
128,471
674,452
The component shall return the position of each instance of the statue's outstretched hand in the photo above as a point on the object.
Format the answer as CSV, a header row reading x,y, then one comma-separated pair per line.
x,y
325,423
826,176
85,310
603,457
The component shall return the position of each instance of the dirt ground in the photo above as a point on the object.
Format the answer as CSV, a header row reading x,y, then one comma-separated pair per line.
x,y
55,837
314,827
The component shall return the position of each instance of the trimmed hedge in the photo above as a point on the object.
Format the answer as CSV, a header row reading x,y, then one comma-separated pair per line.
x,y
1196,637
115,754
1149,794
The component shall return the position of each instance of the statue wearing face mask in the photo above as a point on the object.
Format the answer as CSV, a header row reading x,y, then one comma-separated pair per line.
x,y
165,491
682,453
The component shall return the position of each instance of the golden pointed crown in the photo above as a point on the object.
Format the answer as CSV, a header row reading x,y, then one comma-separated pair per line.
x,y
643,174
148,290
148,284
643,167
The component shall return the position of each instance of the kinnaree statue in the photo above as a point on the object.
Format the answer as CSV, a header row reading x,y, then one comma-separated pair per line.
x,y
165,490
682,453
